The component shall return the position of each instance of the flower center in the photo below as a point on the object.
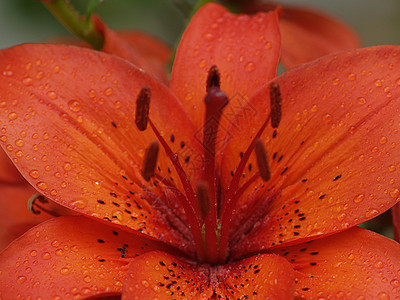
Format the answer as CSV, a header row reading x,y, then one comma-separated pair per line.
x,y
208,211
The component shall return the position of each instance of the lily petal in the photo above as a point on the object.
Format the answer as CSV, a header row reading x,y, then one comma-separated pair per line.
x,y
161,275
141,49
348,264
67,115
8,172
308,34
334,158
69,257
212,38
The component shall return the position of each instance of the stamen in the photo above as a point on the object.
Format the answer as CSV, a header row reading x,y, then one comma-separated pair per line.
x,y
213,79
142,108
203,198
32,205
150,161
276,104
262,160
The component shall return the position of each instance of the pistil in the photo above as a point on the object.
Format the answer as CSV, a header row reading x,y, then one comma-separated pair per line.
x,y
215,101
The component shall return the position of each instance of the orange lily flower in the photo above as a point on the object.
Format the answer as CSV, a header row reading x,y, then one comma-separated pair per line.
x,y
142,50
174,201
307,34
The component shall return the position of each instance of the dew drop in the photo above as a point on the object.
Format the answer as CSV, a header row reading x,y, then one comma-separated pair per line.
x,y
145,283
383,296
19,142
371,213
46,255
56,69
351,77
41,185
8,73
378,264
336,81
250,66
361,100
74,105
87,278
108,91
55,243
34,173
12,115
21,279
208,36
52,95
359,198
394,193
378,82
392,168
395,282
27,81
67,166
327,118
383,140
341,216
202,63
79,203
59,252
229,57
64,271
33,253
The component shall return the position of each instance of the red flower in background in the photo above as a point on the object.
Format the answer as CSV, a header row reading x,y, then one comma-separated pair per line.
x,y
307,34
277,222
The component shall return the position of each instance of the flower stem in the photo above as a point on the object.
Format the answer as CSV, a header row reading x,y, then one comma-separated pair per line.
x,y
81,26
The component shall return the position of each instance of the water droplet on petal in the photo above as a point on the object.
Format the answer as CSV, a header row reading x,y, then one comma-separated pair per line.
x,y
87,278
79,203
361,100
383,140
27,81
108,91
21,279
394,193
371,213
46,255
41,185
67,166
19,142
52,95
383,296
33,253
74,105
359,198
64,271
208,36
34,173
250,66
12,115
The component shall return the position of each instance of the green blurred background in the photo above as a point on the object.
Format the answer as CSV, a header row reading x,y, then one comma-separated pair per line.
x,y
377,22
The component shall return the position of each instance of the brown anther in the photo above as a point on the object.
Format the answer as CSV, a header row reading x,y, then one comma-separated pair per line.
x,y
262,160
213,78
203,198
142,108
150,161
276,104
32,206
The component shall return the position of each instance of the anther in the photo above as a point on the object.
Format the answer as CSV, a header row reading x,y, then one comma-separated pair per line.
x,y
32,205
150,161
213,79
142,108
262,160
276,104
203,198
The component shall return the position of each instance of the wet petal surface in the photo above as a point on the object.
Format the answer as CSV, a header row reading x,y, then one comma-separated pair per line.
x,y
67,118
245,50
69,257
355,264
334,159
160,275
